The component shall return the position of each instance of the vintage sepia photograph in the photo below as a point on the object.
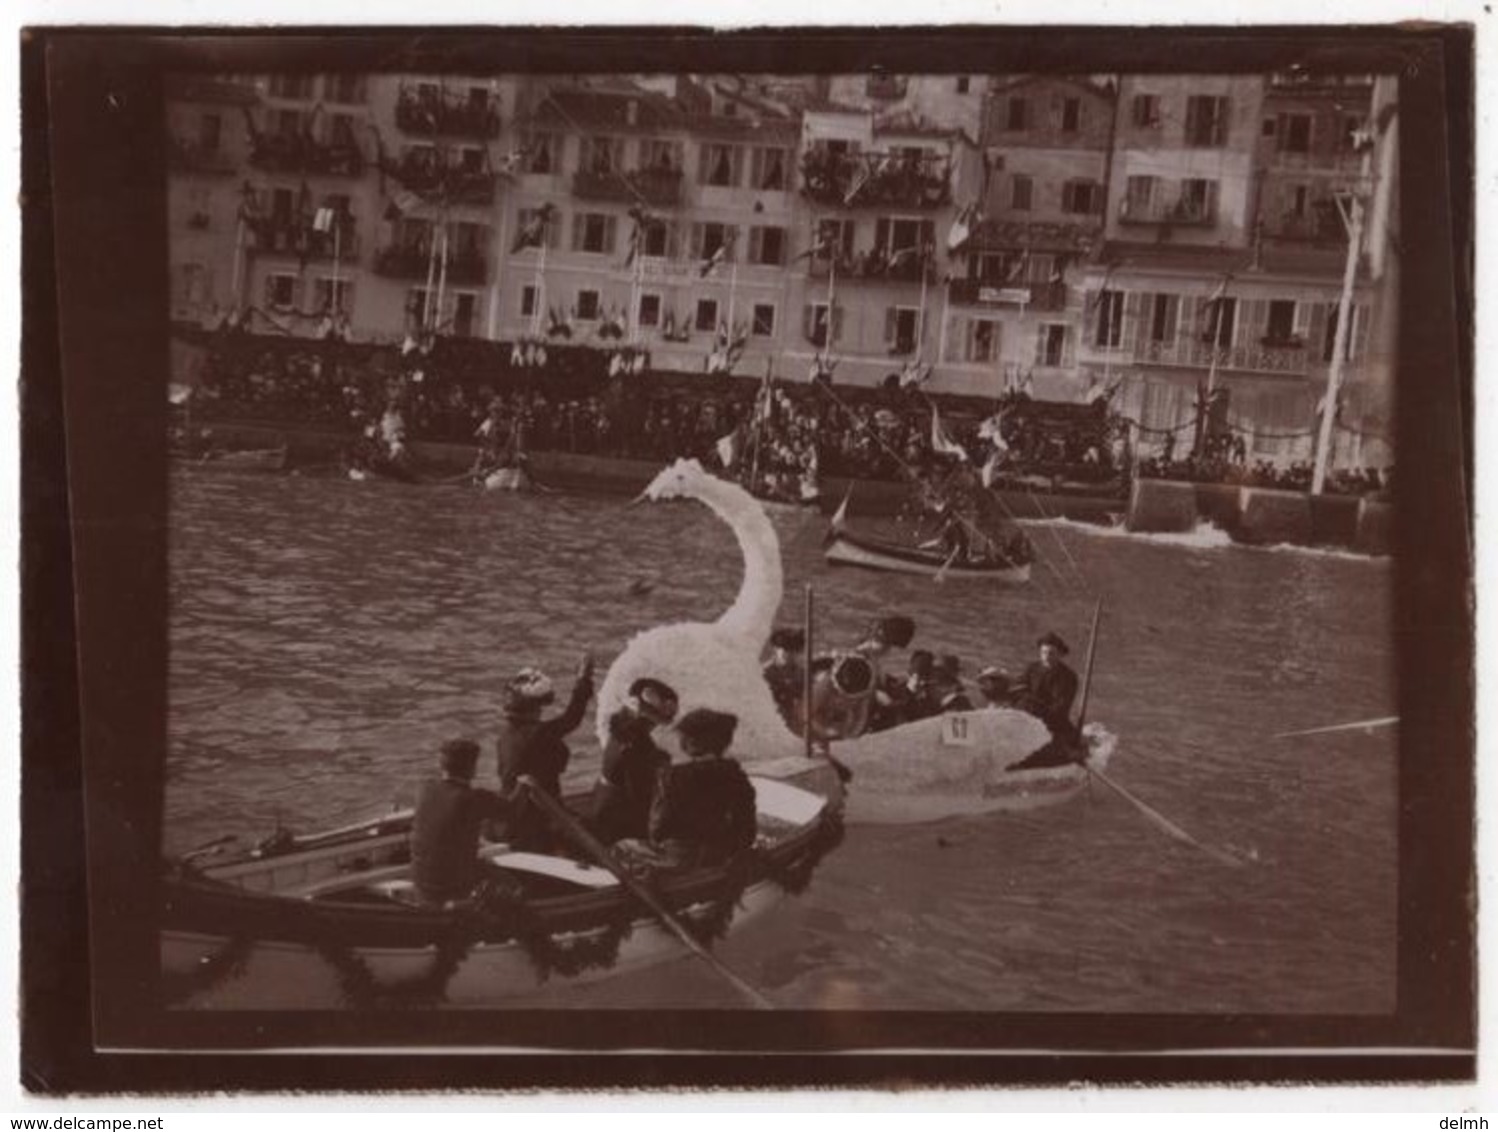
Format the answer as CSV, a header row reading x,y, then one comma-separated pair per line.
x,y
910,542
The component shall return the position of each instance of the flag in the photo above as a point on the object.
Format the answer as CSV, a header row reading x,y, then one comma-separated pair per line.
x,y
992,430
721,253
859,179
728,450
637,233
990,470
962,228
941,443
323,220
913,374
840,516
822,245
1216,299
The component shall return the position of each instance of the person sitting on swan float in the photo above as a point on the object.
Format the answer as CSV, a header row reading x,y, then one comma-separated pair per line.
x,y
632,761
703,811
785,671
949,693
530,745
851,694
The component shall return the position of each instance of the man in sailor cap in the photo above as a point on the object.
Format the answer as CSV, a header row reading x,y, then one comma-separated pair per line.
x,y
1046,691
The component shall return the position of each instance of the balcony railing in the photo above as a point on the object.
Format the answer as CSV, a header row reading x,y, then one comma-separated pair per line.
x,y
294,153
281,236
1286,358
439,116
442,183
191,158
660,188
1321,226
1184,212
874,266
900,180
1031,296
465,267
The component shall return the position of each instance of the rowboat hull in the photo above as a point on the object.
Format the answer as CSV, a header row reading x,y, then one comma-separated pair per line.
x,y
844,549
289,928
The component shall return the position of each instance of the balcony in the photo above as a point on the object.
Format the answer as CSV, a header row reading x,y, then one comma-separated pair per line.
x,y
441,116
466,267
657,188
1321,226
1288,359
985,293
295,153
886,87
443,184
1184,213
874,266
874,179
188,157
284,236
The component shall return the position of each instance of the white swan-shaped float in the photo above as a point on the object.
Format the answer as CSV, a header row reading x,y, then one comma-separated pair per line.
x,y
715,664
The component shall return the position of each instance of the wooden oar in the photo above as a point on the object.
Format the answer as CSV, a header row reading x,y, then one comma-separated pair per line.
x,y
596,849
1356,725
844,775
1162,822
941,575
1097,613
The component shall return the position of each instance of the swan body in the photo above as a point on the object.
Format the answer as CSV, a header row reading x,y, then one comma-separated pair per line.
x,y
715,664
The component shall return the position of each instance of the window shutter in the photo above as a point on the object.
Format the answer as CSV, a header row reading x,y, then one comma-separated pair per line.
x,y
1186,327
296,293
1093,316
731,238
808,321
1255,319
610,231
270,291
890,321
1301,322
837,324
694,247
702,163
1172,316
1362,327
678,157
1131,307
881,236
673,240
1040,344
736,167
1068,348
577,231
928,234
756,167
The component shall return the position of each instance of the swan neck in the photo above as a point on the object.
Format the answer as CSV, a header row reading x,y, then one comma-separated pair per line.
x,y
754,610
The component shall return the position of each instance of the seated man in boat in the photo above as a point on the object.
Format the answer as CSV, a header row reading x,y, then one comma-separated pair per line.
x,y
1046,691
918,693
632,761
885,635
948,690
785,672
450,814
530,745
702,811
995,686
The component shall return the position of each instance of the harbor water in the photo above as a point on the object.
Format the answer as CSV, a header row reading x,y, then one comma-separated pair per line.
x,y
326,636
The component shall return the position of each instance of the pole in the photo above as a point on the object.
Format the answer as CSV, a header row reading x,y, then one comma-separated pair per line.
x,y
595,849
441,281
806,676
1344,320
941,331
426,296
237,282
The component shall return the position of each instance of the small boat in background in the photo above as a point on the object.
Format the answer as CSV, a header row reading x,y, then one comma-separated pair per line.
x,y
846,549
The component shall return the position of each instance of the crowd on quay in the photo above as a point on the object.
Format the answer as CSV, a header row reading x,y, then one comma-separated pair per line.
x,y
1224,460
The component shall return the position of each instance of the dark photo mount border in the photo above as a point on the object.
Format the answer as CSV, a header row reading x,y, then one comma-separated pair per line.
x,y
94,476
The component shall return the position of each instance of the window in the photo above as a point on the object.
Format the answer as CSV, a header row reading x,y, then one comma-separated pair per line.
x,y
526,217
1198,199
1359,328
280,291
600,155
538,153
478,100
650,310
1280,325
210,131
982,340
660,156
1351,126
1081,196
1139,195
1051,348
707,315
326,301
1270,126
1018,115
1109,333
900,327
763,325
815,324
719,165
1206,120
1164,315
469,240
655,239
593,232
837,234
1071,115
587,305
893,236
1300,200
288,123
1295,133
471,159
344,88
767,246
528,297
714,236
416,308
1146,111
1219,317
1021,188
341,130
192,284
281,203
767,167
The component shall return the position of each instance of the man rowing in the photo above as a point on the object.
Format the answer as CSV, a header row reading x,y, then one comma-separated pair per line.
x,y
1046,691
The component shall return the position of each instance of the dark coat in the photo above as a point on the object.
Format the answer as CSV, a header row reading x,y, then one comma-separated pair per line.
x,y
705,808
537,747
631,766
1047,693
787,685
445,837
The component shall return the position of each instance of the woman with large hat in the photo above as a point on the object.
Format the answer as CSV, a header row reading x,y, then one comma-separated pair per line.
x,y
531,745
632,761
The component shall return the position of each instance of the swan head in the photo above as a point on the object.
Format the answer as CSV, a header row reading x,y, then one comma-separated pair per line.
x,y
681,480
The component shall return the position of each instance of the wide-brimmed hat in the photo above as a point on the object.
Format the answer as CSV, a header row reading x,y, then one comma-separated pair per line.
x,y
707,728
992,677
790,639
654,699
1055,641
528,688
949,665
459,758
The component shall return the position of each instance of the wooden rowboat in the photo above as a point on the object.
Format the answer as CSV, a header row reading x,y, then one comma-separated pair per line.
x,y
328,922
847,549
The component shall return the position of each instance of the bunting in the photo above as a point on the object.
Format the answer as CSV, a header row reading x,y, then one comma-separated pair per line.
x,y
941,443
